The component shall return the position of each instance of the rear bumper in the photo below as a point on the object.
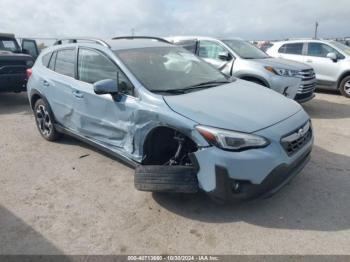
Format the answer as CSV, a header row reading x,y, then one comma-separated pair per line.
x,y
12,82
230,190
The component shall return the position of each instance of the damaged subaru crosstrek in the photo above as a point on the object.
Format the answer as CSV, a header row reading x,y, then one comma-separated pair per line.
x,y
183,124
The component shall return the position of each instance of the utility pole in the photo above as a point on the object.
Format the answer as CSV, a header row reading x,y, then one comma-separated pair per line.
x,y
316,28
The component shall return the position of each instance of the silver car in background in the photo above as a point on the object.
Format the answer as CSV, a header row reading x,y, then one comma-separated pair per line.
x,y
330,60
241,59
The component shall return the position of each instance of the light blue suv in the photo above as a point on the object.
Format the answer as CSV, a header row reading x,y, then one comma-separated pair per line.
x,y
183,124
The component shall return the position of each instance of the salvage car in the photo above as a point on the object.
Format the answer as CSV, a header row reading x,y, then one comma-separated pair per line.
x,y
239,58
14,61
330,60
181,123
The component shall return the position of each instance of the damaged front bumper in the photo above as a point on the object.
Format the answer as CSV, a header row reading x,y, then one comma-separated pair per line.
x,y
227,175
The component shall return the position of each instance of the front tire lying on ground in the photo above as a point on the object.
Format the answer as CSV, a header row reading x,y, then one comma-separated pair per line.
x,y
173,179
45,121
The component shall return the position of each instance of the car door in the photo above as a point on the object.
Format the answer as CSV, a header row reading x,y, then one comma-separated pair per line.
x,y
58,82
102,118
30,47
210,51
327,70
292,51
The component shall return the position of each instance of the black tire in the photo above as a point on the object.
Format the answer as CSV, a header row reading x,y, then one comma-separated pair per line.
x,y
173,179
45,121
344,87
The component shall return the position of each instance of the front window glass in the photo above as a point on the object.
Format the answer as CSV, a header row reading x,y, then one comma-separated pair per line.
x,y
212,50
168,68
342,47
8,44
321,50
93,67
245,50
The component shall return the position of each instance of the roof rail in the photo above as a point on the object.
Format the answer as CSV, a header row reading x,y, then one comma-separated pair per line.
x,y
75,40
142,37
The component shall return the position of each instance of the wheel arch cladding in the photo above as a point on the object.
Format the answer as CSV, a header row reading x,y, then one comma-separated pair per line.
x,y
341,78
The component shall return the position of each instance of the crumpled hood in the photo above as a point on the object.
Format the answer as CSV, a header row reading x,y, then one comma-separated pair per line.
x,y
240,106
282,63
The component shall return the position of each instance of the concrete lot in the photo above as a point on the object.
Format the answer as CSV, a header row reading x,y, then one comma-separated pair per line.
x,y
54,201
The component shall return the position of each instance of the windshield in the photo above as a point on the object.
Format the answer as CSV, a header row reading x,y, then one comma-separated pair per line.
x,y
342,47
9,44
168,68
245,50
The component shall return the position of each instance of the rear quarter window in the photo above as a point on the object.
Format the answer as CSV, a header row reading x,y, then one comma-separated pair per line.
x,y
65,62
46,59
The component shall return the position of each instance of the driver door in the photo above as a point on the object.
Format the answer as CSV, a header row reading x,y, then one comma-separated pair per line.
x,y
210,51
101,117
326,69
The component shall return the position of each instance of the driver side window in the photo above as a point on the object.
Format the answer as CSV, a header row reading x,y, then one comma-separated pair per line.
x,y
208,49
94,66
321,50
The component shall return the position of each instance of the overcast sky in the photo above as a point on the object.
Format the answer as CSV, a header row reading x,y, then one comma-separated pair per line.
x,y
249,19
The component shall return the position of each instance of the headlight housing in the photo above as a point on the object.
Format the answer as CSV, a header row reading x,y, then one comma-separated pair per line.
x,y
282,71
231,140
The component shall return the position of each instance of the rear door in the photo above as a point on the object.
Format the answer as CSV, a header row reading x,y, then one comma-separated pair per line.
x,y
102,118
292,51
327,70
30,47
210,51
58,83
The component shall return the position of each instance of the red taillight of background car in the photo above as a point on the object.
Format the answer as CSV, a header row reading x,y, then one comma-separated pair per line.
x,y
29,73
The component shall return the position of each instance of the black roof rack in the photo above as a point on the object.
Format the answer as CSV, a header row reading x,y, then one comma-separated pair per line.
x,y
142,37
75,40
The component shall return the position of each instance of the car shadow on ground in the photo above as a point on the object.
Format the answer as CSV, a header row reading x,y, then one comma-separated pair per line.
x,y
317,199
13,103
18,238
319,108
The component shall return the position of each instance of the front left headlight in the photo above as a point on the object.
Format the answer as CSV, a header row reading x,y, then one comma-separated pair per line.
x,y
282,71
231,140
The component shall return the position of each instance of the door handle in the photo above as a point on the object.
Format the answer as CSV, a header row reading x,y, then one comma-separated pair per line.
x,y
45,83
77,94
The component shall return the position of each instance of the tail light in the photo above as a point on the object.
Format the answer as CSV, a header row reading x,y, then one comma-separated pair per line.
x,y
29,73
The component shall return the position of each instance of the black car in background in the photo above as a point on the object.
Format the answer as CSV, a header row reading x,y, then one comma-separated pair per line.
x,y
15,59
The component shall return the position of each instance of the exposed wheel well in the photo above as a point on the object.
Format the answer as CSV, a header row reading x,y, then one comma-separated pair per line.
x,y
255,80
162,144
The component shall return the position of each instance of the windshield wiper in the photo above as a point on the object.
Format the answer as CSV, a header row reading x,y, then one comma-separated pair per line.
x,y
206,84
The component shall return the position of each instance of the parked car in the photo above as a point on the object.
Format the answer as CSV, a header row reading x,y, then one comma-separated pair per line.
x,y
243,60
183,124
330,60
14,61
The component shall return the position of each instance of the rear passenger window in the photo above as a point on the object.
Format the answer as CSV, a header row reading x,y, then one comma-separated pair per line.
x,y
65,62
46,59
293,49
94,66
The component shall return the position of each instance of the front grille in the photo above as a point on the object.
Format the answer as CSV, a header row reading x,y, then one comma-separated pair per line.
x,y
306,74
296,140
308,82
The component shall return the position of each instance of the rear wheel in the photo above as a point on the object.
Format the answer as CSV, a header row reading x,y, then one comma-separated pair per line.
x,y
344,87
44,121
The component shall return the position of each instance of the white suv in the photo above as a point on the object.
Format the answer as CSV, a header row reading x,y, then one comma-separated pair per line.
x,y
330,60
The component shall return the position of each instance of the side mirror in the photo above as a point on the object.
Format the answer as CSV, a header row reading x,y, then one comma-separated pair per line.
x,y
225,56
332,56
107,86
